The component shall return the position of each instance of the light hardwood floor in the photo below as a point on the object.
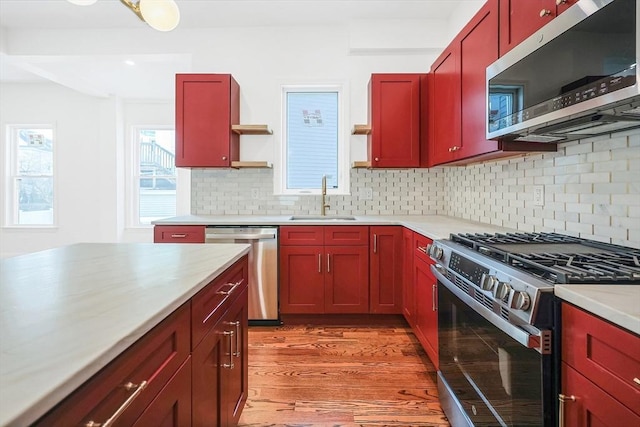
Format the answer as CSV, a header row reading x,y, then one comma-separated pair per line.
x,y
339,376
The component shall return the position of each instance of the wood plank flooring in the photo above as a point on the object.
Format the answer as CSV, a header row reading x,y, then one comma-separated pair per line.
x,y
341,377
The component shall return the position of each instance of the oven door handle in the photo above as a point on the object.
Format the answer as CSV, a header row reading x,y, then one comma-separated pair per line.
x,y
540,340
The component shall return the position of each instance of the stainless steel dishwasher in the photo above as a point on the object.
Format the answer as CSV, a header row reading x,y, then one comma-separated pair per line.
x,y
263,267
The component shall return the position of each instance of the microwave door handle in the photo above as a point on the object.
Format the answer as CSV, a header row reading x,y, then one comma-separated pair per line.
x,y
540,340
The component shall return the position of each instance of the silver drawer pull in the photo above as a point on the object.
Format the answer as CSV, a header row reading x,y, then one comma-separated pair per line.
x,y
637,381
229,365
231,289
237,325
129,386
178,236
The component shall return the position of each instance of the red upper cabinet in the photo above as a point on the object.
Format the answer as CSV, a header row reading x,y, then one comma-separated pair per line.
x,y
519,19
206,107
394,115
444,107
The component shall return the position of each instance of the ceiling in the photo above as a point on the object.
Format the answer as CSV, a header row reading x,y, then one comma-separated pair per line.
x,y
138,81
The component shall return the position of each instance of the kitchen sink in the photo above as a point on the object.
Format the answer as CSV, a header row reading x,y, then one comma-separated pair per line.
x,y
322,218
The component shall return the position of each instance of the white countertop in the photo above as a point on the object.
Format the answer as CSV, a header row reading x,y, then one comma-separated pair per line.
x,y
619,304
67,312
431,226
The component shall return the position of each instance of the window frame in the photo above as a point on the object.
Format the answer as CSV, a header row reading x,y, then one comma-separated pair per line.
x,y
133,176
11,199
280,167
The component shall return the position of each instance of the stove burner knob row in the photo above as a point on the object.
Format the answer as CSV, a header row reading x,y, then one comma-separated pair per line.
x,y
501,290
488,282
521,300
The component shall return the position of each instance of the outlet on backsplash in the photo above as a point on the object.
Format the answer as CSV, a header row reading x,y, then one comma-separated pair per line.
x,y
366,194
538,195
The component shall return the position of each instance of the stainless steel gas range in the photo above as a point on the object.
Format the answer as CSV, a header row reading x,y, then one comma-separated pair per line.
x,y
498,320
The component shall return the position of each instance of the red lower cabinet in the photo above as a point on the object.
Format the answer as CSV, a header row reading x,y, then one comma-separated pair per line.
x,y
408,285
172,407
318,276
600,371
386,269
426,298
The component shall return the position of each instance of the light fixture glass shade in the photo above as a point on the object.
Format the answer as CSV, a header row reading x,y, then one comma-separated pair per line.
x,y
82,2
162,15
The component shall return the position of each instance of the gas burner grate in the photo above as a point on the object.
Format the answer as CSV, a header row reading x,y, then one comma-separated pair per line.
x,y
557,258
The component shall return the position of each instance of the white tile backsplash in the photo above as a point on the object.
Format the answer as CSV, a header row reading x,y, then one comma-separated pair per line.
x,y
591,190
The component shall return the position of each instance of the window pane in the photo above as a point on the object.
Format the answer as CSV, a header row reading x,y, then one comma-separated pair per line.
x,y
35,152
312,139
35,201
157,175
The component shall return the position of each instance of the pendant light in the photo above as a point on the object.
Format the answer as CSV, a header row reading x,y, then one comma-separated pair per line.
x,y
161,15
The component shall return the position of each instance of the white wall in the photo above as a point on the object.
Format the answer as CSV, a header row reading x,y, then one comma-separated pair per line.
x,y
91,131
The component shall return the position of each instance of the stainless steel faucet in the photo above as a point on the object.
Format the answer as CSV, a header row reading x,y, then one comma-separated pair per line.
x,y
325,205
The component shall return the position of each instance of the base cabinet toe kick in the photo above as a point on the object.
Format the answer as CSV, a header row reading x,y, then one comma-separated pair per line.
x,y
189,370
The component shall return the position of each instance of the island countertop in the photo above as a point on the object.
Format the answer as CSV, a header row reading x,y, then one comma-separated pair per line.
x,y
65,313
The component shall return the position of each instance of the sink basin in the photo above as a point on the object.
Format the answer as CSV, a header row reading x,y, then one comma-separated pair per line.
x,y
321,218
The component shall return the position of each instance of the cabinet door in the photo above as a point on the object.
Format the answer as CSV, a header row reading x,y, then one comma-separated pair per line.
x,y
426,306
172,407
386,269
178,234
209,359
519,19
408,287
302,279
444,105
478,49
394,100
235,379
592,406
346,279
206,107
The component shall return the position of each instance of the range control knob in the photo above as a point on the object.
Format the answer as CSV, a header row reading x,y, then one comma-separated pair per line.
x,y
501,290
488,282
435,251
520,301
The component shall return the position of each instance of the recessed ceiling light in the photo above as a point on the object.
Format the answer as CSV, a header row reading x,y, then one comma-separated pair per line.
x,y
129,62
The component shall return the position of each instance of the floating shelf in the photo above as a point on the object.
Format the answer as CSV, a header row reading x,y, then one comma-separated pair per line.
x,y
252,129
361,164
238,165
361,130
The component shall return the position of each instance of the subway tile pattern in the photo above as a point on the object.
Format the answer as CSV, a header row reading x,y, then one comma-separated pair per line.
x,y
591,190
395,192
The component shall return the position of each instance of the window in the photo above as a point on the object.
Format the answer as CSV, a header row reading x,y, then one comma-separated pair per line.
x,y
31,184
154,175
313,141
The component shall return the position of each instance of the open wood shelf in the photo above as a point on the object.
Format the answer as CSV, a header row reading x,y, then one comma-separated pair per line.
x,y
361,164
361,130
252,129
238,165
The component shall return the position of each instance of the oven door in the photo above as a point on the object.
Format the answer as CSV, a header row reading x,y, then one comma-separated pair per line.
x,y
487,377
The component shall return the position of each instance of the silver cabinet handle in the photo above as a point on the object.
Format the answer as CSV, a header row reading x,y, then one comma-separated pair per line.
x,y
328,263
237,325
545,12
231,289
563,398
375,243
229,365
178,236
560,2
434,303
319,263
637,381
129,386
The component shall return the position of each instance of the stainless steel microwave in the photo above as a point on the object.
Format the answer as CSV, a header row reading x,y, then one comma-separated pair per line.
x,y
576,77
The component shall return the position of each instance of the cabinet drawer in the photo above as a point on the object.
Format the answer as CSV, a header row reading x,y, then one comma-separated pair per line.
x,y
592,406
211,302
604,353
420,247
302,235
154,359
178,234
346,235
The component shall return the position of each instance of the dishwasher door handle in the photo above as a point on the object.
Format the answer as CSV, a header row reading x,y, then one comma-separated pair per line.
x,y
256,236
